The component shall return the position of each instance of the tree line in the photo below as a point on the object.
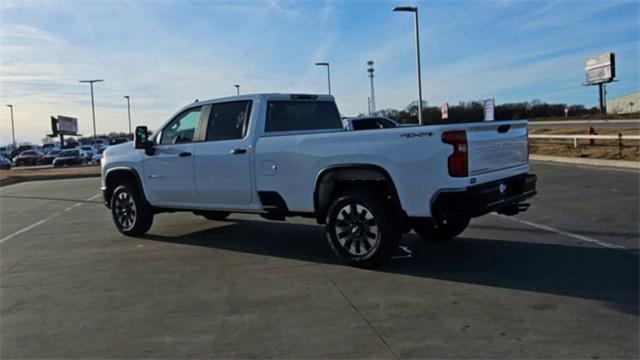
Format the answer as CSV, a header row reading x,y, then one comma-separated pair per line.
x,y
474,111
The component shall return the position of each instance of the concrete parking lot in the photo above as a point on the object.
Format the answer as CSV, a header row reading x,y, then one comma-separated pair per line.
x,y
560,281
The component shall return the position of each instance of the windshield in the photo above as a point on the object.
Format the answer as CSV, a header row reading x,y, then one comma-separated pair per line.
x,y
54,152
28,153
69,153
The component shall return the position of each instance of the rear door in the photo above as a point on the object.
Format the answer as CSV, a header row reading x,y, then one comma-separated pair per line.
x,y
169,171
496,146
223,160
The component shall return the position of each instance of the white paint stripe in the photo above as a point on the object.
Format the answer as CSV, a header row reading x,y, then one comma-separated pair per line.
x,y
562,232
408,253
36,224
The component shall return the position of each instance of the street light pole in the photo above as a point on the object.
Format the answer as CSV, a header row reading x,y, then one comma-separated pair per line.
x,y
373,95
328,73
93,109
237,90
13,133
414,10
129,113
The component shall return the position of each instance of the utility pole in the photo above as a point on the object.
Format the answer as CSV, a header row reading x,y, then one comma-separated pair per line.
x,y
373,95
129,113
237,89
369,105
93,109
414,10
328,73
13,132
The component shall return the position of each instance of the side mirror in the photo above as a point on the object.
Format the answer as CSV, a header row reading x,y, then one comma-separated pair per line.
x,y
140,137
141,140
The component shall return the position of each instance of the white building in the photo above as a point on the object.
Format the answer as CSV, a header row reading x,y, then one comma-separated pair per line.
x,y
624,104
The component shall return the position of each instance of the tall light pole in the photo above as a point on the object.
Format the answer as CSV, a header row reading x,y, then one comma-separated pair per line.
x,y
373,95
237,90
414,10
13,133
93,109
328,73
129,112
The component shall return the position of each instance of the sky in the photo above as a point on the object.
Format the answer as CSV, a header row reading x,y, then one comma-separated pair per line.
x,y
165,54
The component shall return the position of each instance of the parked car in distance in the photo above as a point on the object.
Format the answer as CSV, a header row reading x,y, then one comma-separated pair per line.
x,y
28,157
87,151
368,123
119,140
281,155
46,148
5,151
23,148
69,157
50,156
98,155
5,164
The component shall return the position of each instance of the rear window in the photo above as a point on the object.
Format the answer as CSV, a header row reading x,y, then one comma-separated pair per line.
x,y
28,153
302,115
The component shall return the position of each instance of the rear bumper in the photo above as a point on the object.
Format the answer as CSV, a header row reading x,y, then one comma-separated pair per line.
x,y
502,195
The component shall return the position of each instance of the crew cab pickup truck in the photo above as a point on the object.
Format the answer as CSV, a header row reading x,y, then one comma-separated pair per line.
x,y
281,155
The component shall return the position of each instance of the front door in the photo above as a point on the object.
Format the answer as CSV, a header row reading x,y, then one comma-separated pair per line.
x,y
169,171
223,161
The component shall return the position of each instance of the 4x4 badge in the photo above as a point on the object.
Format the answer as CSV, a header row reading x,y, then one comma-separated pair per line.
x,y
417,134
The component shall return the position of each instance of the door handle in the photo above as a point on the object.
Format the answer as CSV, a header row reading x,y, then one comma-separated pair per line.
x,y
185,154
238,151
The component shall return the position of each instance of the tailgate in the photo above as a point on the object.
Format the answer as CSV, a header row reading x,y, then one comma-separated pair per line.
x,y
497,145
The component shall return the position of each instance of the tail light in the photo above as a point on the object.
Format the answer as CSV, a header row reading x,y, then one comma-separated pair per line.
x,y
458,161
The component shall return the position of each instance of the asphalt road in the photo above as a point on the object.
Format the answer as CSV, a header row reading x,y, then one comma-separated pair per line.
x,y
560,281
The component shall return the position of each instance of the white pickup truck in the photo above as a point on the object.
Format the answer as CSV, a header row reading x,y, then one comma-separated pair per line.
x,y
281,155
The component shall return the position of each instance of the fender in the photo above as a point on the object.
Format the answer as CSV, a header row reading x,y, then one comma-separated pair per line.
x,y
321,206
125,172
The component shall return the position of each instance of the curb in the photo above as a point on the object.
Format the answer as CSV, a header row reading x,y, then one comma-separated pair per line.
x,y
19,179
591,162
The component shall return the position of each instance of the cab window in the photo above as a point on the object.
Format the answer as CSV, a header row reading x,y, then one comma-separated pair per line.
x,y
228,121
182,128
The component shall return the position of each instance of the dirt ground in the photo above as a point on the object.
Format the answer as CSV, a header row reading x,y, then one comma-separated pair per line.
x,y
42,173
602,149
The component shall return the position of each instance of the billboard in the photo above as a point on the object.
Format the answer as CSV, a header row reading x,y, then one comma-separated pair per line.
x,y
67,125
489,109
444,109
600,68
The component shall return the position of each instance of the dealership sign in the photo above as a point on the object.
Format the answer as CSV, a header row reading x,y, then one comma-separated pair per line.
x,y
600,68
489,109
444,109
67,125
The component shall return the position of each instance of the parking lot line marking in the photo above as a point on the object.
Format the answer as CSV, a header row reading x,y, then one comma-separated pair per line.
x,y
38,223
565,233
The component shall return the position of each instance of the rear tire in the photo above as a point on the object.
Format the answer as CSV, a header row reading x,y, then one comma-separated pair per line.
x,y
360,229
130,211
438,230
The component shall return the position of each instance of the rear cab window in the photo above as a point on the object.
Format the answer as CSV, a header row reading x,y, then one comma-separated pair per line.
x,y
301,115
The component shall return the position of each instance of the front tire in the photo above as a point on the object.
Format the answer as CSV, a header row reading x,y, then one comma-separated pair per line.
x,y
440,230
131,213
360,229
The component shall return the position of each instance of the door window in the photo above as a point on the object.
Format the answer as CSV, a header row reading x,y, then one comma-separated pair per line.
x,y
182,128
228,121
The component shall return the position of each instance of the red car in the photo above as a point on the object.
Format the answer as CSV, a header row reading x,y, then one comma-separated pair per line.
x,y
29,157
